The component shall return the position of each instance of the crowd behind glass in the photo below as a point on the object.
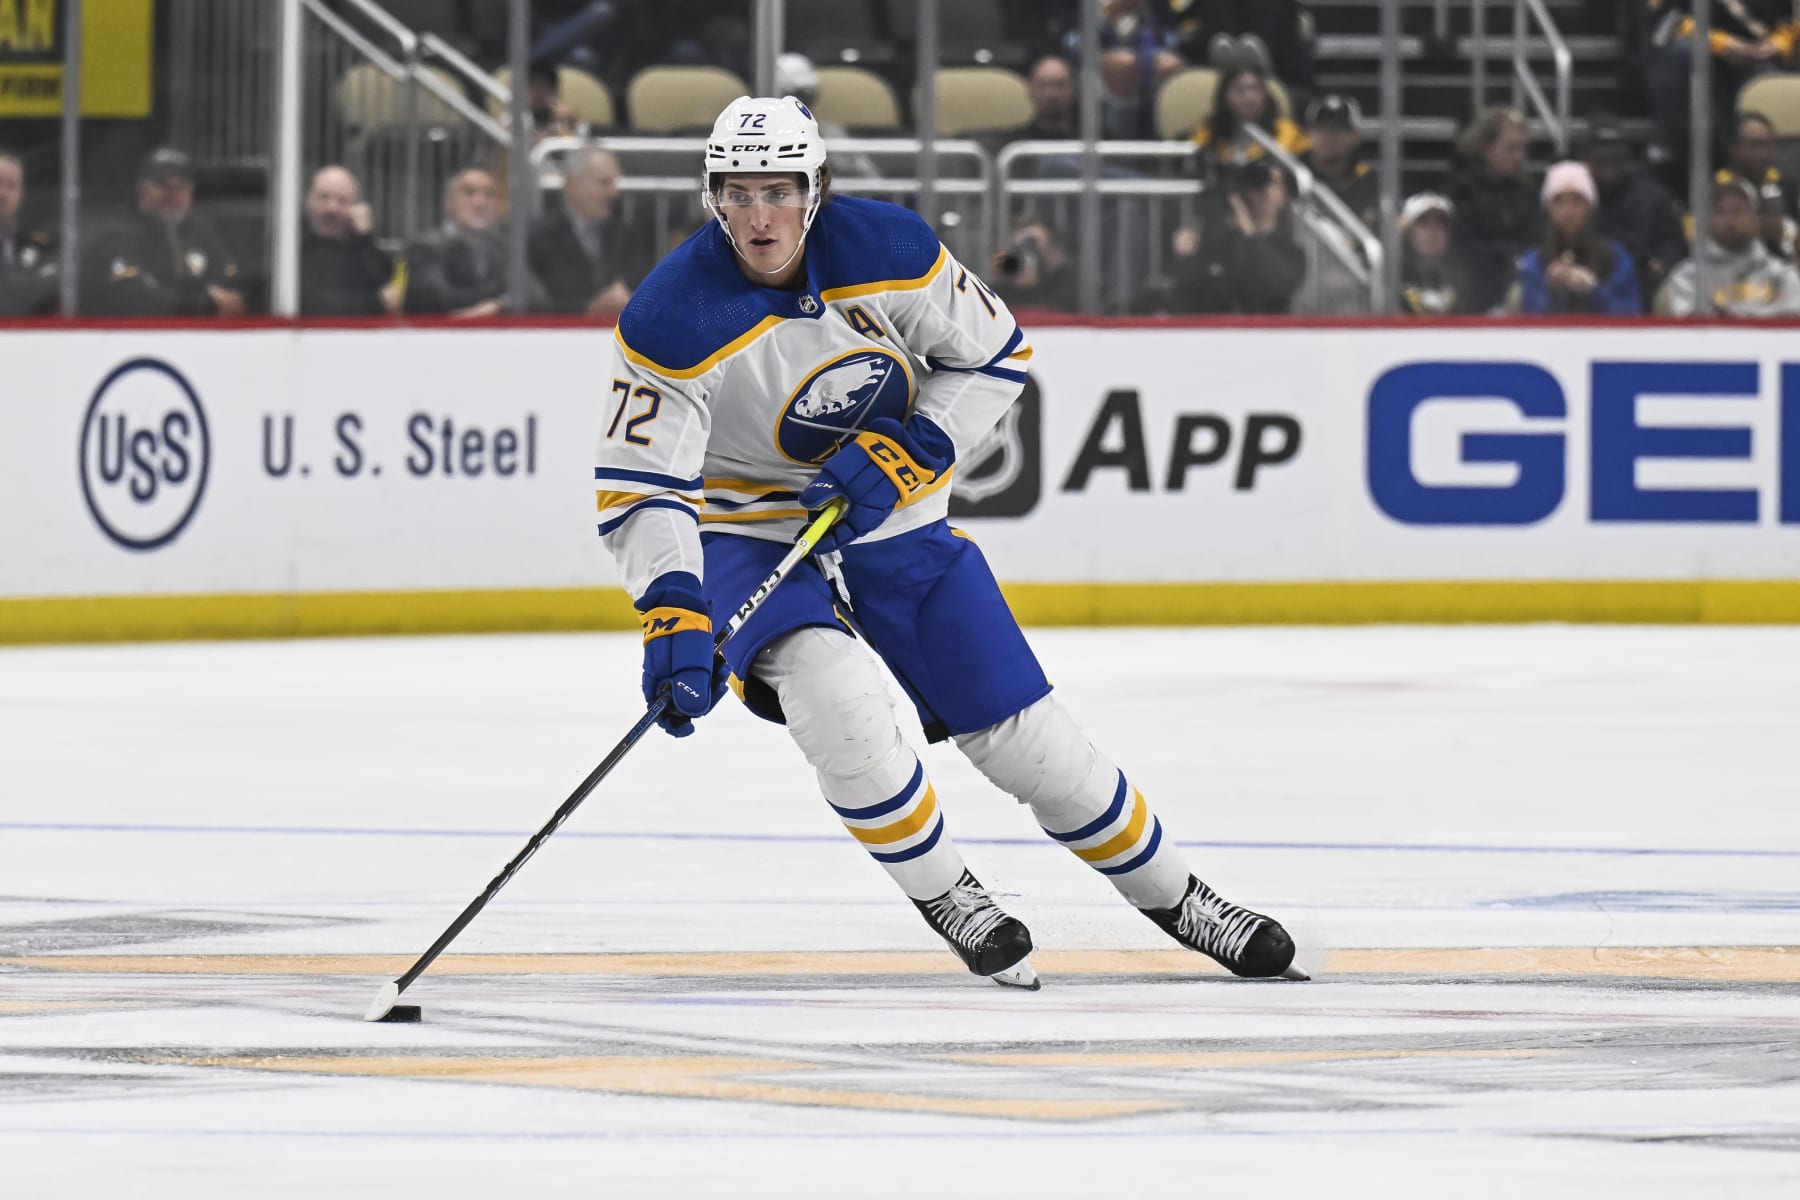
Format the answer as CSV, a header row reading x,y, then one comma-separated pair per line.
x,y
1597,232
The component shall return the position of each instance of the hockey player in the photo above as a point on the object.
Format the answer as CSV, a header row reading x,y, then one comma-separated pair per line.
x,y
806,347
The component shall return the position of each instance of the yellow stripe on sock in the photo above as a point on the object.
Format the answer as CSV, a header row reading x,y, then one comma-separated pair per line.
x,y
905,827
1112,847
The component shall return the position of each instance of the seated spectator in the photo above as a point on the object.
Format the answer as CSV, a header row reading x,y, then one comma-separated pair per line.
x,y
1780,234
1243,257
460,269
796,76
1136,54
1752,155
163,258
28,285
342,272
1051,85
1749,38
1243,99
1279,32
1497,213
1635,210
1575,270
587,258
1433,280
551,115
1332,130
1744,279
1034,269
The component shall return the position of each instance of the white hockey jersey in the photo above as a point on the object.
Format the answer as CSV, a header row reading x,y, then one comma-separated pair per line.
x,y
726,395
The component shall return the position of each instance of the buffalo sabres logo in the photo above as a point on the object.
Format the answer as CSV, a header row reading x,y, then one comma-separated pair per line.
x,y
839,397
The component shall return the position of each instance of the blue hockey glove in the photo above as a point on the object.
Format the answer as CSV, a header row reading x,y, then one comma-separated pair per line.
x,y
888,466
678,650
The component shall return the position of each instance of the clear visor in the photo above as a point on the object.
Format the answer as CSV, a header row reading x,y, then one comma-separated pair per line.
x,y
775,194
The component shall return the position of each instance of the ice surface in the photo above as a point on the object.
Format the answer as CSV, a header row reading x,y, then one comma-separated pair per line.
x,y
1550,877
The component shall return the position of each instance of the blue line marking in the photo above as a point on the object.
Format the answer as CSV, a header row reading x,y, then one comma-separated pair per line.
x,y
650,836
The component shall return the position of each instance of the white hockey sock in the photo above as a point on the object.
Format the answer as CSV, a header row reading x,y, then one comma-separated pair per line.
x,y
841,716
1081,799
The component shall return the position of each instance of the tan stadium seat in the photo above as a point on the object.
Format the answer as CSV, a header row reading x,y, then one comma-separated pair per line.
x,y
1776,97
1185,100
680,99
580,91
369,98
980,100
858,99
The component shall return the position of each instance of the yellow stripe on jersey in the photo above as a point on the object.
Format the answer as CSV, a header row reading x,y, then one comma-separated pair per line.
x,y
1022,354
1112,847
745,488
888,285
606,500
905,827
704,365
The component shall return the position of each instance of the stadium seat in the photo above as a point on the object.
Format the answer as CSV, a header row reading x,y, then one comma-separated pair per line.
x,y
980,100
1776,97
369,98
680,99
858,99
581,91
1185,99
837,31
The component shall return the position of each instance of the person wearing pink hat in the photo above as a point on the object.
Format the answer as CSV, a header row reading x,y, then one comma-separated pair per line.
x,y
1575,271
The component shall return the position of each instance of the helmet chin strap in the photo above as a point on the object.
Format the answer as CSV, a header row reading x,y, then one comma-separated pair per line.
x,y
812,210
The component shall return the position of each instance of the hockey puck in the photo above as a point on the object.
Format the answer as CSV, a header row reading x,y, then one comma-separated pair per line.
x,y
404,1012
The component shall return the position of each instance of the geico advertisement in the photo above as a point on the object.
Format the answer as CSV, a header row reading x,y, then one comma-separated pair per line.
x,y
174,463
1396,454
273,461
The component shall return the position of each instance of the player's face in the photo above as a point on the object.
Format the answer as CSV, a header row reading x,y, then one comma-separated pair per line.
x,y
767,216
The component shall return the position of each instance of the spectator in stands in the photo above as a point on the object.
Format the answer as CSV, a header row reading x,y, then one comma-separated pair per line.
x,y
1635,210
796,76
1752,155
1497,213
28,283
1136,54
343,273
163,258
1243,99
1433,280
551,115
1034,269
1334,135
1243,256
1278,32
588,259
1575,270
1052,89
1743,278
1780,234
460,269
1749,38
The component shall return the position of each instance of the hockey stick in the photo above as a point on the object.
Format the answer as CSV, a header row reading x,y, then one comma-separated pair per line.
x,y
384,1007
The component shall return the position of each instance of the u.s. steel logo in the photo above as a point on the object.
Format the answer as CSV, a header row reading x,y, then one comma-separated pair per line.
x,y
144,454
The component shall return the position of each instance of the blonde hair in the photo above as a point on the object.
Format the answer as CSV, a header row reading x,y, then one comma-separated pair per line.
x,y
1485,130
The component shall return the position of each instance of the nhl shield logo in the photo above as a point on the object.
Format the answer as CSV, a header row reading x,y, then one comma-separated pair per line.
x,y
840,396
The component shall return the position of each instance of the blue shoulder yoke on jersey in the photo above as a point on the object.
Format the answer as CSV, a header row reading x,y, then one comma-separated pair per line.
x,y
696,307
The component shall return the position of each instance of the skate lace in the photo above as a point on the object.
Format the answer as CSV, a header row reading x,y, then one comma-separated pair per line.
x,y
966,914
1215,925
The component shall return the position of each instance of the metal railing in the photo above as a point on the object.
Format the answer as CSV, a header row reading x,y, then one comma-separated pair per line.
x,y
663,174
1525,84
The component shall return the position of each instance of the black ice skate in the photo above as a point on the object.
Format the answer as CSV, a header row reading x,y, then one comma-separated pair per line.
x,y
989,942
1245,943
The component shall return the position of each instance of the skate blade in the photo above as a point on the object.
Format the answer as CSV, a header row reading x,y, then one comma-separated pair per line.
x,y
1297,974
1019,975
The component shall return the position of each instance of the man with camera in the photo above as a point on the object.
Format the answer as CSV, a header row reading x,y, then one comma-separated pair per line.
x,y
1033,270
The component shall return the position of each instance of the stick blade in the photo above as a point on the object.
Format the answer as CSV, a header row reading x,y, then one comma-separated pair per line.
x,y
384,1001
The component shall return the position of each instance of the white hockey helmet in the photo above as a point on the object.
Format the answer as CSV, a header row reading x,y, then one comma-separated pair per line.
x,y
764,135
